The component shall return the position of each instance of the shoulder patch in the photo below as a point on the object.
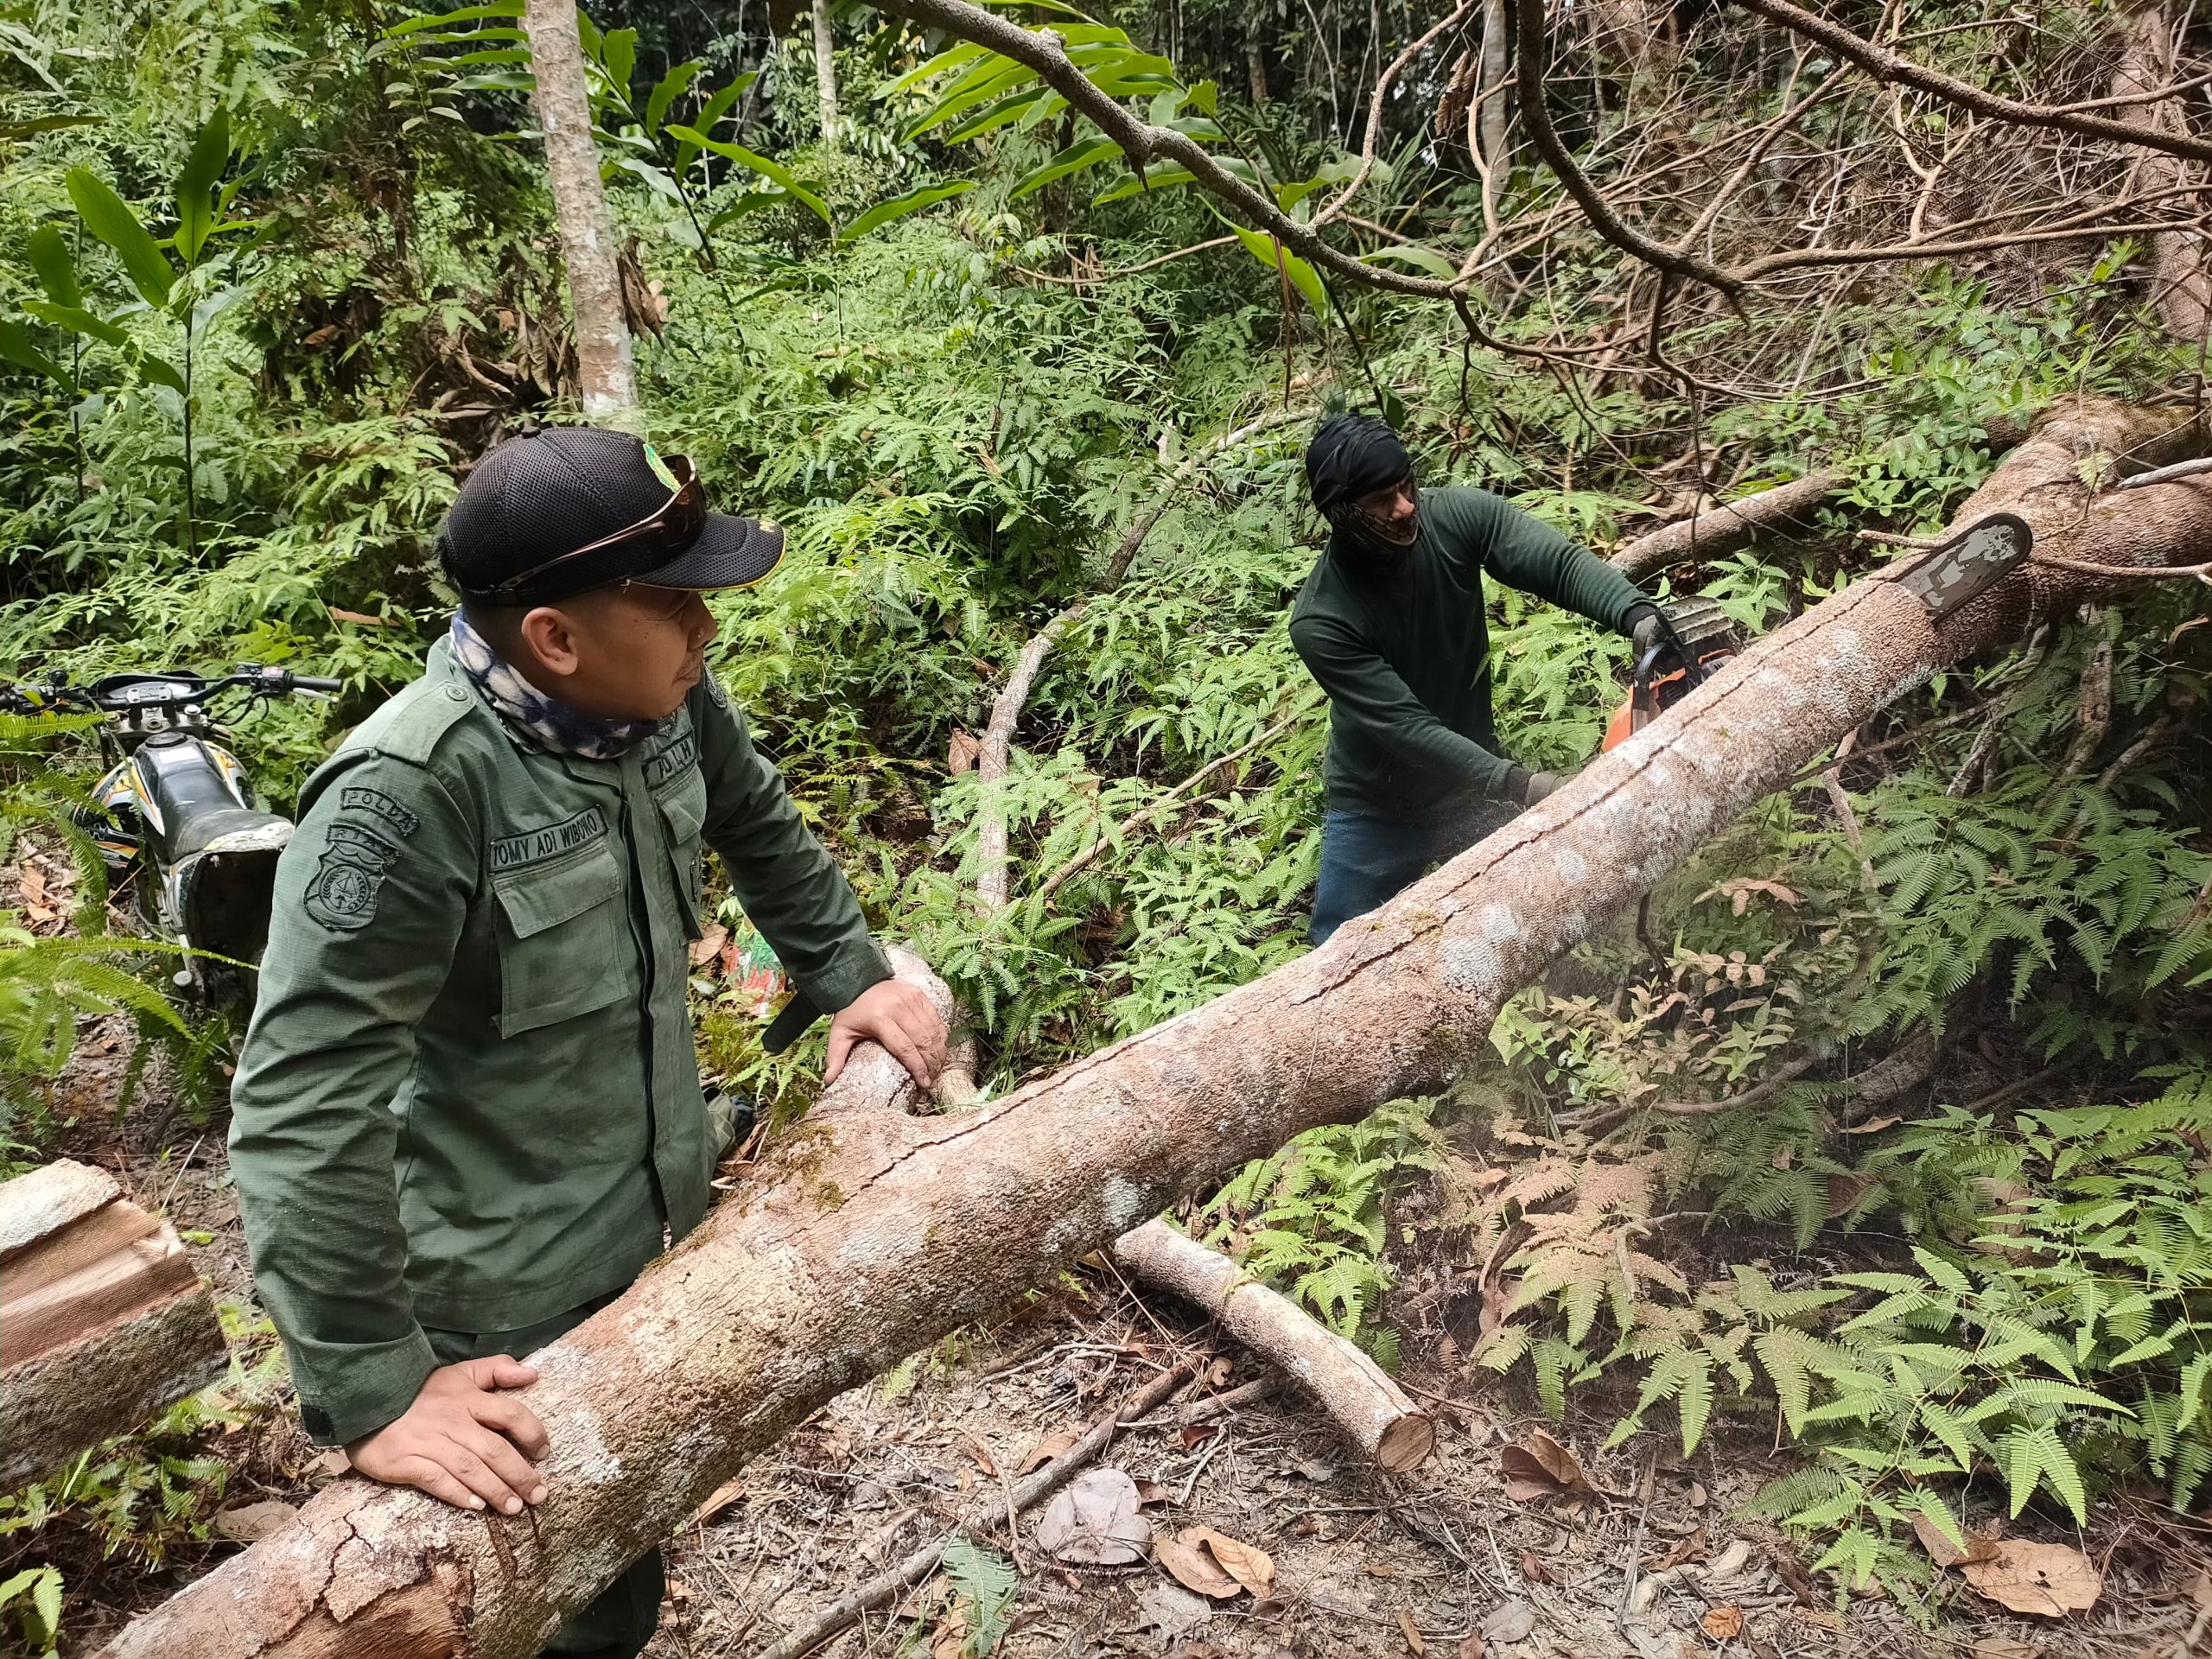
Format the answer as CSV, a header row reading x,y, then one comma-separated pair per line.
x,y
360,798
342,893
712,681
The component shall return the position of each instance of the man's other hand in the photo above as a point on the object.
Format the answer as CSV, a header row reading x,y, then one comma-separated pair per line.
x,y
462,1439
898,1016
1542,784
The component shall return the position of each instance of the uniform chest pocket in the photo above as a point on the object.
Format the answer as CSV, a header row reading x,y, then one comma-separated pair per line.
x,y
683,807
561,943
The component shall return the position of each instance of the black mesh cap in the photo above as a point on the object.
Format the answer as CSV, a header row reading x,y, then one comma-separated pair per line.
x,y
548,491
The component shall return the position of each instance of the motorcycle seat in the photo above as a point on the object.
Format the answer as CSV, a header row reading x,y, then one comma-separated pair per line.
x,y
231,829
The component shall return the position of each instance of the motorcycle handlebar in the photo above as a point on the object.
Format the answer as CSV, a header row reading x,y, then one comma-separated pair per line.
x,y
30,697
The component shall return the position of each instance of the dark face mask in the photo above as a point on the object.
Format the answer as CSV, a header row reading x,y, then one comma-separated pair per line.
x,y
1350,458
1371,540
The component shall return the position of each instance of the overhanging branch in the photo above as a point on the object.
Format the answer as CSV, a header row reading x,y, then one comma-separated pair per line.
x,y
1887,66
1144,144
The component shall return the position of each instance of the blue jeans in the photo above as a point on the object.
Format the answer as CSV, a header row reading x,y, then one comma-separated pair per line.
x,y
1368,861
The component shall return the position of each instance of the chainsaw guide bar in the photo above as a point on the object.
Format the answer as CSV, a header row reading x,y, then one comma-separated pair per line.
x,y
1987,551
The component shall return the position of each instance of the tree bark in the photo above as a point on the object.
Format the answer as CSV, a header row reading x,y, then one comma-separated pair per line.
x,y
1372,1411
871,1232
604,370
825,73
2180,287
1487,122
996,755
102,1319
1722,529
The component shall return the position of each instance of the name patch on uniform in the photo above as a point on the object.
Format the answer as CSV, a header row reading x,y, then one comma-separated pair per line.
x,y
681,755
360,798
532,846
348,877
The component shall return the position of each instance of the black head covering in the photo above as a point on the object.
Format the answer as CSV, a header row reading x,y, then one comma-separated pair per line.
x,y
1350,456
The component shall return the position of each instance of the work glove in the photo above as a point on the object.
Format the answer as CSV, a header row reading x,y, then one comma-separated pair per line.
x,y
1647,627
1542,783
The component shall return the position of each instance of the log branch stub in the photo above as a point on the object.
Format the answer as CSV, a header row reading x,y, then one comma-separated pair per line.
x,y
1374,1413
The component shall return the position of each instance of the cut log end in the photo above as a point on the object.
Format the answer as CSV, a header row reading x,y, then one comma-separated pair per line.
x,y
1407,1443
102,1319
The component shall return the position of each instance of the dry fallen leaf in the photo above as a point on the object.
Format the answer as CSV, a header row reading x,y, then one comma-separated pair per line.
x,y
1942,1551
1510,1622
1874,1125
718,1500
1723,1624
1412,1632
1690,1548
1195,1569
2004,1647
1169,1608
1845,1192
250,1523
1472,1646
1541,1467
949,1639
1698,1495
1046,1449
1150,1491
1247,1564
2049,1581
1197,1433
1094,1520
1533,1569
960,753
708,945
1497,1302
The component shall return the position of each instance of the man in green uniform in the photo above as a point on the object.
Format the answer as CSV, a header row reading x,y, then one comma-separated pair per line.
x,y
1391,623
469,1111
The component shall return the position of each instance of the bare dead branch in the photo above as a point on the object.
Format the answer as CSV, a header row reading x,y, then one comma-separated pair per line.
x,y
1885,65
1529,42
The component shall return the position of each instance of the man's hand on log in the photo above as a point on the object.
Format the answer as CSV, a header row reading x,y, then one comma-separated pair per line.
x,y
462,1439
897,1015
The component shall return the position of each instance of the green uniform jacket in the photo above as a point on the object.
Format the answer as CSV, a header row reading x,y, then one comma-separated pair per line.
x,y
1404,655
468,1099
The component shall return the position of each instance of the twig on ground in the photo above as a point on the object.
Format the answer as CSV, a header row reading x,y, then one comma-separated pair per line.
x,y
847,1610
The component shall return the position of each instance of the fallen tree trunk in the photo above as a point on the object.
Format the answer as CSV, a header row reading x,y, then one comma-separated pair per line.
x,y
1372,1411
1724,529
102,1320
873,1232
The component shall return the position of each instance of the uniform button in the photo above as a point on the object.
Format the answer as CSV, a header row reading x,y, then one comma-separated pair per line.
x,y
456,693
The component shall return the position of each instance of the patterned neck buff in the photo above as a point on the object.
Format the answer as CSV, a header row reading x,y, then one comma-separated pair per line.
x,y
553,725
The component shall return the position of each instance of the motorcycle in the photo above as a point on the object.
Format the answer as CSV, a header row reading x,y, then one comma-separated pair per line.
x,y
175,817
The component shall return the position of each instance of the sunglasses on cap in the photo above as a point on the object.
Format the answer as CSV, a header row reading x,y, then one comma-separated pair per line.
x,y
673,526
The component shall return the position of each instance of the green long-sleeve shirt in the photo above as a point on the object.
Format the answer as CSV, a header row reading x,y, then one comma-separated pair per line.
x,y
468,1099
1404,654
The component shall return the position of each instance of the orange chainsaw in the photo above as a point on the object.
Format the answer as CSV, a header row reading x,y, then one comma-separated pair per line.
x,y
1695,635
